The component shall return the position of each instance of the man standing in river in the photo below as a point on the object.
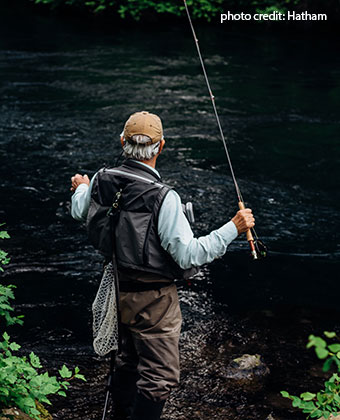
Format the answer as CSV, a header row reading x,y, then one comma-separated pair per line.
x,y
154,246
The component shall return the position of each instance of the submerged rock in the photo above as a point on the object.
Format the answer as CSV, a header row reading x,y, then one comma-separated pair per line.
x,y
247,362
14,414
270,417
247,371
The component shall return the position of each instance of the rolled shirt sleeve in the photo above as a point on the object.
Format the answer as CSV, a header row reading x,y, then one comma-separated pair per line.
x,y
80,201
178,239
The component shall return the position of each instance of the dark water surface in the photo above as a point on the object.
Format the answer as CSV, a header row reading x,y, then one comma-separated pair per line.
x,y
65,93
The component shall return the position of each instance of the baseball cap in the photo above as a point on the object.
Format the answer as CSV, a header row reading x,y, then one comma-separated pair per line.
x,y
144,123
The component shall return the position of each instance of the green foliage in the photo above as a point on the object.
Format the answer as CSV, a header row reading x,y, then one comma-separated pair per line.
x,y
205,9
135,9
269,9
21,383
330,352
3,255
6,292
326,401
269,6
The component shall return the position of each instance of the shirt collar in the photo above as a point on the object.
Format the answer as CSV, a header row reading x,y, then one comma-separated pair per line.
x,y
148,166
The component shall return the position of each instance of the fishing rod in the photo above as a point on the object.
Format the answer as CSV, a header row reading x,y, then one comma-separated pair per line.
x,y
257,248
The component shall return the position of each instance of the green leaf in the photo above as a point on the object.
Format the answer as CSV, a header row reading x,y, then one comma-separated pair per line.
x,y
296,402
6,307
78,376
99,9
14,346
316,341
321,352
35,361
45,400
329,334
4,391
334,348
5,336
28,402
51,388
338,355
65,384
335,377
35,412
327,365
307,396
285,394
307,406
65,372
4,235
62,393
36,382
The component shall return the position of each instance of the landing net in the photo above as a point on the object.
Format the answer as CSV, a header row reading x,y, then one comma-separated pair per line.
x,y
105,318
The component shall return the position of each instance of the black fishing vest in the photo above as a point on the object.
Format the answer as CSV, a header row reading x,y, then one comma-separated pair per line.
x,y
135,229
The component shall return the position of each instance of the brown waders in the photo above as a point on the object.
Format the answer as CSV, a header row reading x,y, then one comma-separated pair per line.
x,y
148,366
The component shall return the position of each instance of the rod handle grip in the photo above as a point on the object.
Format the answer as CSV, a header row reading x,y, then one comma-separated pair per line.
x,y
248,233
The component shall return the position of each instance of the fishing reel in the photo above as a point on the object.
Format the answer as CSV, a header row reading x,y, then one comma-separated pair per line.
x,y
260,249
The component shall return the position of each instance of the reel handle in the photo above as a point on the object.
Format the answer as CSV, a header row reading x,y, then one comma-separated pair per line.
x,y
250,237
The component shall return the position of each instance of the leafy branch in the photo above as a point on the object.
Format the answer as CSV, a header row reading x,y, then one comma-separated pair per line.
x,y
201,9
21,383
326,402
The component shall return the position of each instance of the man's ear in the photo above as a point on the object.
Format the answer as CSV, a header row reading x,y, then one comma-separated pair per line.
x,y
162,143
122,141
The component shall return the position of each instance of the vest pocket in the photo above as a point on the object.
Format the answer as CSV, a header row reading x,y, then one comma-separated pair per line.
x,y
99,228
131,233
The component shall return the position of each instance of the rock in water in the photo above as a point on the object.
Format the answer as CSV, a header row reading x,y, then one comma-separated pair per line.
x,y
14,414
270,417
247,371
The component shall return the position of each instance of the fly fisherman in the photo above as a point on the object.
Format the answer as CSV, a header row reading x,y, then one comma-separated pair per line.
x,y
154,245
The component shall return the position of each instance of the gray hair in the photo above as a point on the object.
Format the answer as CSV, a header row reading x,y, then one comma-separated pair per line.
x,y
136,148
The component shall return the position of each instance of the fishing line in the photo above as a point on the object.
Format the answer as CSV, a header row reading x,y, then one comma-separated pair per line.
x,y
257,248
238,192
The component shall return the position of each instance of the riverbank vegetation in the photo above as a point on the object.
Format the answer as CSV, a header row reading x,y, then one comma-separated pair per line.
x,y
325,402
202,9
22,383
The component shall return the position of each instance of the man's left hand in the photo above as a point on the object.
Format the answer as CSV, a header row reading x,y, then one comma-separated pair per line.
x,y
78,179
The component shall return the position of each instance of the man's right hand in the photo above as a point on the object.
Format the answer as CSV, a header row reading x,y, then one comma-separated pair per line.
x,y
243,220
78,179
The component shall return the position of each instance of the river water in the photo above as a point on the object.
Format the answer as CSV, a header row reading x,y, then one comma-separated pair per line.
x,y
66,90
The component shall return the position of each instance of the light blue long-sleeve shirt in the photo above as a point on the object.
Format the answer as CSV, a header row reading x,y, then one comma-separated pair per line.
x,y
174,229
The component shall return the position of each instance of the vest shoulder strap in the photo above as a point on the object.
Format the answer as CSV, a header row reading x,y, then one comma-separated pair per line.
x,y
137,177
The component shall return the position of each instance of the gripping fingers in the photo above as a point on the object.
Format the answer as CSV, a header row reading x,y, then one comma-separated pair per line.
x,y
78,179
75,181
250,220
244,220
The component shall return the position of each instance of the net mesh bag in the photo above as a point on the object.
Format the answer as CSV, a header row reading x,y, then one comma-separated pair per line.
x,y
105,318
